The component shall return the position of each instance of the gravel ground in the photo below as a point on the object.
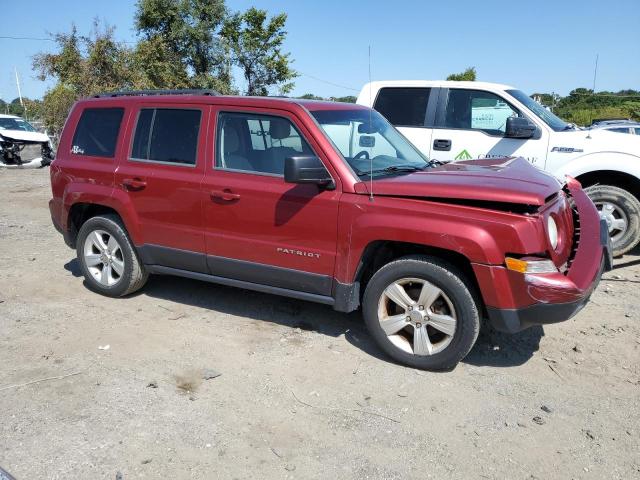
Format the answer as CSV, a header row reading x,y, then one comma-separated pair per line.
x,y
303,392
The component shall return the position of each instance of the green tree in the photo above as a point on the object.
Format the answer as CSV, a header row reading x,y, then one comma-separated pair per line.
x,y
256,47
82,66
468,75
347,99
88,64
182,44
310,96
57,103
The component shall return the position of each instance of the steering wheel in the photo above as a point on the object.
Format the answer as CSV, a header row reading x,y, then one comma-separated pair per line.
x,y
362,154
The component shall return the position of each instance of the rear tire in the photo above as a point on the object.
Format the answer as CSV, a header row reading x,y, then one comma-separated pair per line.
x,y
421,312
108,260
622,211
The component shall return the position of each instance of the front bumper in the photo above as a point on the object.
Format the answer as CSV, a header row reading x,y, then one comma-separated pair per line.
x,y
521,301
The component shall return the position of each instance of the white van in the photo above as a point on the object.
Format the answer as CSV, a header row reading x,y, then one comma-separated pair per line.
x,y
453,121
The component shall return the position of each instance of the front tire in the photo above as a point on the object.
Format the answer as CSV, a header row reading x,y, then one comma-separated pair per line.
x,y
108,260
420,311
621,210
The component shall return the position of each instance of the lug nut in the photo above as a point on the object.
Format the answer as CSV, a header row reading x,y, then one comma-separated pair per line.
x,y
421,307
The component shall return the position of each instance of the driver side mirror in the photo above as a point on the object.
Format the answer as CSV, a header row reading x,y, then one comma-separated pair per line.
x,y
307,169
519,127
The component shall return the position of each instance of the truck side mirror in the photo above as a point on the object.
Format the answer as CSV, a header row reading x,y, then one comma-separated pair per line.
x,y
307,169
519,127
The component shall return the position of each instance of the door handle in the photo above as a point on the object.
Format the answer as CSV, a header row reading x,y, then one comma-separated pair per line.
x,y
133,183
227,195
442,144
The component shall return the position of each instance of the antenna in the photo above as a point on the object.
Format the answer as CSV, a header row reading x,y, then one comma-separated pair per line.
x,y
370,129
595,75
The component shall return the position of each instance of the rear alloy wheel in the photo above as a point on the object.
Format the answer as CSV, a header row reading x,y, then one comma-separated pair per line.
x,y
421,312
107,257
621,210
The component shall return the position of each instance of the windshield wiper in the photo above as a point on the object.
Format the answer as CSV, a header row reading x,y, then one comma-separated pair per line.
x,y
395,168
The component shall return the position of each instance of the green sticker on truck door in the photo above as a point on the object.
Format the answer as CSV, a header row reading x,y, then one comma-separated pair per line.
x,y
463,155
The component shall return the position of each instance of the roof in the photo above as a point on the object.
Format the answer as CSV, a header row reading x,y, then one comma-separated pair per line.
x,y
8,116
437,83
236,100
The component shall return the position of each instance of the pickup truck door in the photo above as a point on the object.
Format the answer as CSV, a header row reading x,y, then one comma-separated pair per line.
x,y
257,227
471,123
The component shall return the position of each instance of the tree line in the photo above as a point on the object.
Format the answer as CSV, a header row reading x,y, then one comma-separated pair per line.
x,y
180,44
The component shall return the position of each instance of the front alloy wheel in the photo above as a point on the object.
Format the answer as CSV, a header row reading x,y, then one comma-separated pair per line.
x,y
417,316
420,311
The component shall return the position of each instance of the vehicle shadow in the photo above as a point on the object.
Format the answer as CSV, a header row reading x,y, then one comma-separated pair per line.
x,y
628,260
498,349
492,348
283,311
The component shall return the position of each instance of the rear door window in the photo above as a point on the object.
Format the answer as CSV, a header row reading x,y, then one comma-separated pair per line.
x,y
97,132
167,135
403,107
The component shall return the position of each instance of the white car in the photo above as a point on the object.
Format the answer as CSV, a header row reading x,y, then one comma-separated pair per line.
x,y
21,145
452,121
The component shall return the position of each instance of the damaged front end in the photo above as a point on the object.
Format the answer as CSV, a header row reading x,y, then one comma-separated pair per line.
x,y
16,152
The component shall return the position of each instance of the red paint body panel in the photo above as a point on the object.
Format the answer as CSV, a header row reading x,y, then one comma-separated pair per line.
x,y
263,213
507,180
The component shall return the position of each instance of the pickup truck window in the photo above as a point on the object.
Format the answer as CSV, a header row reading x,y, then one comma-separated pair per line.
x,y
167,135
478,110
97,132
541,112
367,141
403,107
257,143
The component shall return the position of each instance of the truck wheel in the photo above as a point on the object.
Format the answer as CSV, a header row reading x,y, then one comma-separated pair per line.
x,y
621,210
108,260
421,312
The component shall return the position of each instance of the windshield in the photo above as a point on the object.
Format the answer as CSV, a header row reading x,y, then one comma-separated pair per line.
x,y
541,112
15,124
369,143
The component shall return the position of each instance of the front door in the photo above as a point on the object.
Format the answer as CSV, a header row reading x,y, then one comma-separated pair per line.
x,y
257,227
162,175
471,124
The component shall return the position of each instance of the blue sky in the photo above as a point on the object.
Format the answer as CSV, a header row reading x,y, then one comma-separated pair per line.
x,y
543,45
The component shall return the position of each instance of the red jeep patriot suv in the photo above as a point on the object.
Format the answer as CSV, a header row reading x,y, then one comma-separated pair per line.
x,y
324,202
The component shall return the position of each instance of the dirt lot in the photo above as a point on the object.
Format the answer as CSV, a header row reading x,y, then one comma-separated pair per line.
x,y
303,392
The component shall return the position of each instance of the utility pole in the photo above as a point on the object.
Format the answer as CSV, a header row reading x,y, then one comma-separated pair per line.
x,y
20,93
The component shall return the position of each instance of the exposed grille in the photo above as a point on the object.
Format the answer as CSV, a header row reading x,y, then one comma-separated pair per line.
x,y
575,240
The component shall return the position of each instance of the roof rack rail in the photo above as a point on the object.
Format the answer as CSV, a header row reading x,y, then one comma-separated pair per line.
x,y
137,93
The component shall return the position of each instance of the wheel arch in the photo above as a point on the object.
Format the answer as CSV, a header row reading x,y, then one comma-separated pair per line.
x,y
614,178
380,252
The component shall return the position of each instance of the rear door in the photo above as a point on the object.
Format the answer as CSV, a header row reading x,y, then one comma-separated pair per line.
x,y
471,124
411,110
161,174
258,228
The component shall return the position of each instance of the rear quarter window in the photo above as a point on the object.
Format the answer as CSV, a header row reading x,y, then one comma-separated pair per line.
x,y
403,107
97,131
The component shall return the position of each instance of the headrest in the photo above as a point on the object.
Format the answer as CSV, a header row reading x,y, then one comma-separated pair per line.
x,y
279,129
231,138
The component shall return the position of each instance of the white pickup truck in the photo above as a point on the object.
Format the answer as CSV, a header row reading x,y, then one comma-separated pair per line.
x,y
450,121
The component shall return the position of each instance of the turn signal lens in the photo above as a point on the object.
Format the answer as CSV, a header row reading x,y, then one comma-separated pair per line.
x,y
530,266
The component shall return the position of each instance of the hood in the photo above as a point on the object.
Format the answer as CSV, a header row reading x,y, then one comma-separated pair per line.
x,y
23,136
596,140
504,180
